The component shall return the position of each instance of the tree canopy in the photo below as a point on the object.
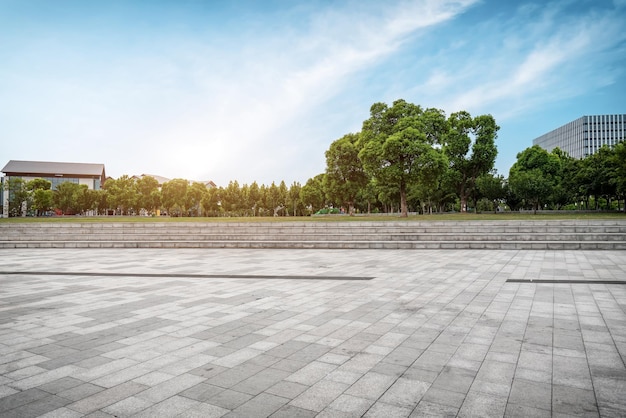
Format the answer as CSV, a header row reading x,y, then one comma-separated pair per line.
x,y
345,176
471,151
397,147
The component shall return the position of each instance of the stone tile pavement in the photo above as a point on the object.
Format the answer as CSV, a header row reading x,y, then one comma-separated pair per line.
x,y
304,333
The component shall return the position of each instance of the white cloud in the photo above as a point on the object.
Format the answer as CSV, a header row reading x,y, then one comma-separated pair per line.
x,y
249,115
249,104
538,56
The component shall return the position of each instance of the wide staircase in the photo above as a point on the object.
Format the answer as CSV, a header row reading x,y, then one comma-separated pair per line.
x,y
397,234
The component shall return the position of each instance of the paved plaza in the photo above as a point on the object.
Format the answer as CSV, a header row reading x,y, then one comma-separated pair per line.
x,y
312,333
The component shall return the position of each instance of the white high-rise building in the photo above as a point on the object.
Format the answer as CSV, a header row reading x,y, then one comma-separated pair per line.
x,y
585,135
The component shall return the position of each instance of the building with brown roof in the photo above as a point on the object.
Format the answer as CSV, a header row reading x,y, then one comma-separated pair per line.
x,y
91,175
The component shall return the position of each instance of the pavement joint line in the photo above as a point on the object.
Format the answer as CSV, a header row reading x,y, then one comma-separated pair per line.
x,y
622,282
184,275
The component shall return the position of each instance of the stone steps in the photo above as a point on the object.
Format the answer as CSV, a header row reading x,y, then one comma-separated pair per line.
x,y
466,245
544,234
318,237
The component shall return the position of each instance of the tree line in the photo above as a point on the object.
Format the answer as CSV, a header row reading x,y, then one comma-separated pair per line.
x,y
406,158
553,180
414,159
144,196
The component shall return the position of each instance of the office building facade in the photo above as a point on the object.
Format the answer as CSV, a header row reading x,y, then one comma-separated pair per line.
x,y
585,135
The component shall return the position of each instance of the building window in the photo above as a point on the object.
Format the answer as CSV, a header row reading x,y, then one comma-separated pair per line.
x,y
58,180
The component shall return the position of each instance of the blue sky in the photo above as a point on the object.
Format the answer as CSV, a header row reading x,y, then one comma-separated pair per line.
x,y
258,90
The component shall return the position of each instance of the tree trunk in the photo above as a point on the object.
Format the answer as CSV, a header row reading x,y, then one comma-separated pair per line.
x,y
463,203
462,197
404,213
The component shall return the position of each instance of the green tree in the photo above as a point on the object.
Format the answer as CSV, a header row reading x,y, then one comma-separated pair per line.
x,y
39,183
194,196
40,195
471,151
275,198
446,193
345,175
531,185
598,175
283,194
294,198
254,197
312,194
65,197
246,205
101,204
388,196
121,194
513,201
87,199
369,195
211,201
398,147
232,199
174,193
42,201
263,207
565,188
533,176
491,186
148,194
619,164
18,196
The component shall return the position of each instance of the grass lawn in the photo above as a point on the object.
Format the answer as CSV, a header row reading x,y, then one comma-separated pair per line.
x,y
336,218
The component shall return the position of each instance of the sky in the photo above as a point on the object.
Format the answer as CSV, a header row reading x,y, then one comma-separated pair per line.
x,y
258,90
